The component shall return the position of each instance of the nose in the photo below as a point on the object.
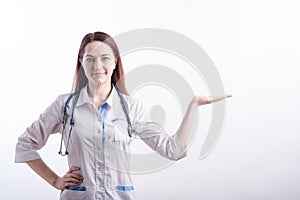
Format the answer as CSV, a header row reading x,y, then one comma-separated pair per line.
x,y
98,64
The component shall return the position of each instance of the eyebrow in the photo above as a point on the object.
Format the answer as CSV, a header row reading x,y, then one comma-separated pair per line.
x,y
100,55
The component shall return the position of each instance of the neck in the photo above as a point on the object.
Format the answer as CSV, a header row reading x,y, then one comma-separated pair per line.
x,y
99,92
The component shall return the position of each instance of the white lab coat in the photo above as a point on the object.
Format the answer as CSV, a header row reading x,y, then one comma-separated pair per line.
x,y
100,147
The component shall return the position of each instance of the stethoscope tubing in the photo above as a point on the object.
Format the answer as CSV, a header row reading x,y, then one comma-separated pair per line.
x,y
72,122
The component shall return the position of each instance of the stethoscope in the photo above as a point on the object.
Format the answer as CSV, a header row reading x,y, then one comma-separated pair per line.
x,y
72,122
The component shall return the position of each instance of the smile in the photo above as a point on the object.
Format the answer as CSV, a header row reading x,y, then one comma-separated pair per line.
x,y
98,73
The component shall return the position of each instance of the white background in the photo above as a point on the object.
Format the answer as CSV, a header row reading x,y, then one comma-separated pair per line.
x,y
254,45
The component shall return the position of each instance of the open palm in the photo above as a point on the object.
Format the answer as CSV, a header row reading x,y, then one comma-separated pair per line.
x,y
203,100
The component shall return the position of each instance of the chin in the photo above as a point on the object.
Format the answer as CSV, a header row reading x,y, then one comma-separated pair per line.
x,y
101,81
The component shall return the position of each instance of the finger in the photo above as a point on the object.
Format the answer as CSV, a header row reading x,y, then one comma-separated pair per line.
x,y
74,168
74,180
228,95
70,184
215,99
73,175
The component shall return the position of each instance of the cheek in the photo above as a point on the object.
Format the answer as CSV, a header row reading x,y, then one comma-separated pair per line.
x,y
86,71
112,65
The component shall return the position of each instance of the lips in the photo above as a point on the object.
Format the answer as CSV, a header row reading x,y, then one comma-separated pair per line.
x,y
98,73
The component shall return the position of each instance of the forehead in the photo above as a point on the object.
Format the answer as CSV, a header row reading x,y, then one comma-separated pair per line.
x,y
97,48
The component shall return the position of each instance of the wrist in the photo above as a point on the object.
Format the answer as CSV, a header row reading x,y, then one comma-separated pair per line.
x,y
54,181
194,103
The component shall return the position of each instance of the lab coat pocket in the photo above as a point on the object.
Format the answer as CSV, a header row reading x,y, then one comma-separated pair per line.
x,y
67,194
120,130
125,192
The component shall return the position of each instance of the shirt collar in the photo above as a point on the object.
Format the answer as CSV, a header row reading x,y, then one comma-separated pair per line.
x,y
84,97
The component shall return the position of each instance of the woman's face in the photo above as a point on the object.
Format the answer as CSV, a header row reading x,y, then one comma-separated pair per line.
x,y
98,62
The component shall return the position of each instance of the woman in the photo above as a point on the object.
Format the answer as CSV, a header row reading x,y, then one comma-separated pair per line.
x,y
88,120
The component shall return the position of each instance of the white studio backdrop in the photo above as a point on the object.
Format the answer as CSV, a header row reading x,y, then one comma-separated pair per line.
x,y
254,45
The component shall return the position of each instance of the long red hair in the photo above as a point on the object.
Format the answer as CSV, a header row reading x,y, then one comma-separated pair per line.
x,y
117,78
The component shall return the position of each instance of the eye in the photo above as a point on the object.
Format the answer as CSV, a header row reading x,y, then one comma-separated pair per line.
x,y
88,59
106,58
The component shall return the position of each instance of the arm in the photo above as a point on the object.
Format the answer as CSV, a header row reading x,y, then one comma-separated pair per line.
x,y
185,126
172,147
69,179
35,137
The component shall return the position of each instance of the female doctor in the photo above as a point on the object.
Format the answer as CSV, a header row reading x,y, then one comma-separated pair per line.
x,y
97,149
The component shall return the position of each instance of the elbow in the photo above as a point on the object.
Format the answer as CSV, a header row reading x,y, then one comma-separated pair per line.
x,y
179,157
173,150
23,156
176,156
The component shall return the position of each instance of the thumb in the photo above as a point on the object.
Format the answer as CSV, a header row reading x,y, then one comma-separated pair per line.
x,y
73,168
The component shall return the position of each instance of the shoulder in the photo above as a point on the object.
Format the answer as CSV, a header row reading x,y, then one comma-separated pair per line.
x,y
61,99
136,108
132,102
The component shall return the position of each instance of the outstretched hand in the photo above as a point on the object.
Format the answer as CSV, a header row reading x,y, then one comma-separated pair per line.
x,y
203,100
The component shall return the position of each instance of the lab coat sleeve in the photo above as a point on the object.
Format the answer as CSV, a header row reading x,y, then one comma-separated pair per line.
x,y
36,136
154,135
